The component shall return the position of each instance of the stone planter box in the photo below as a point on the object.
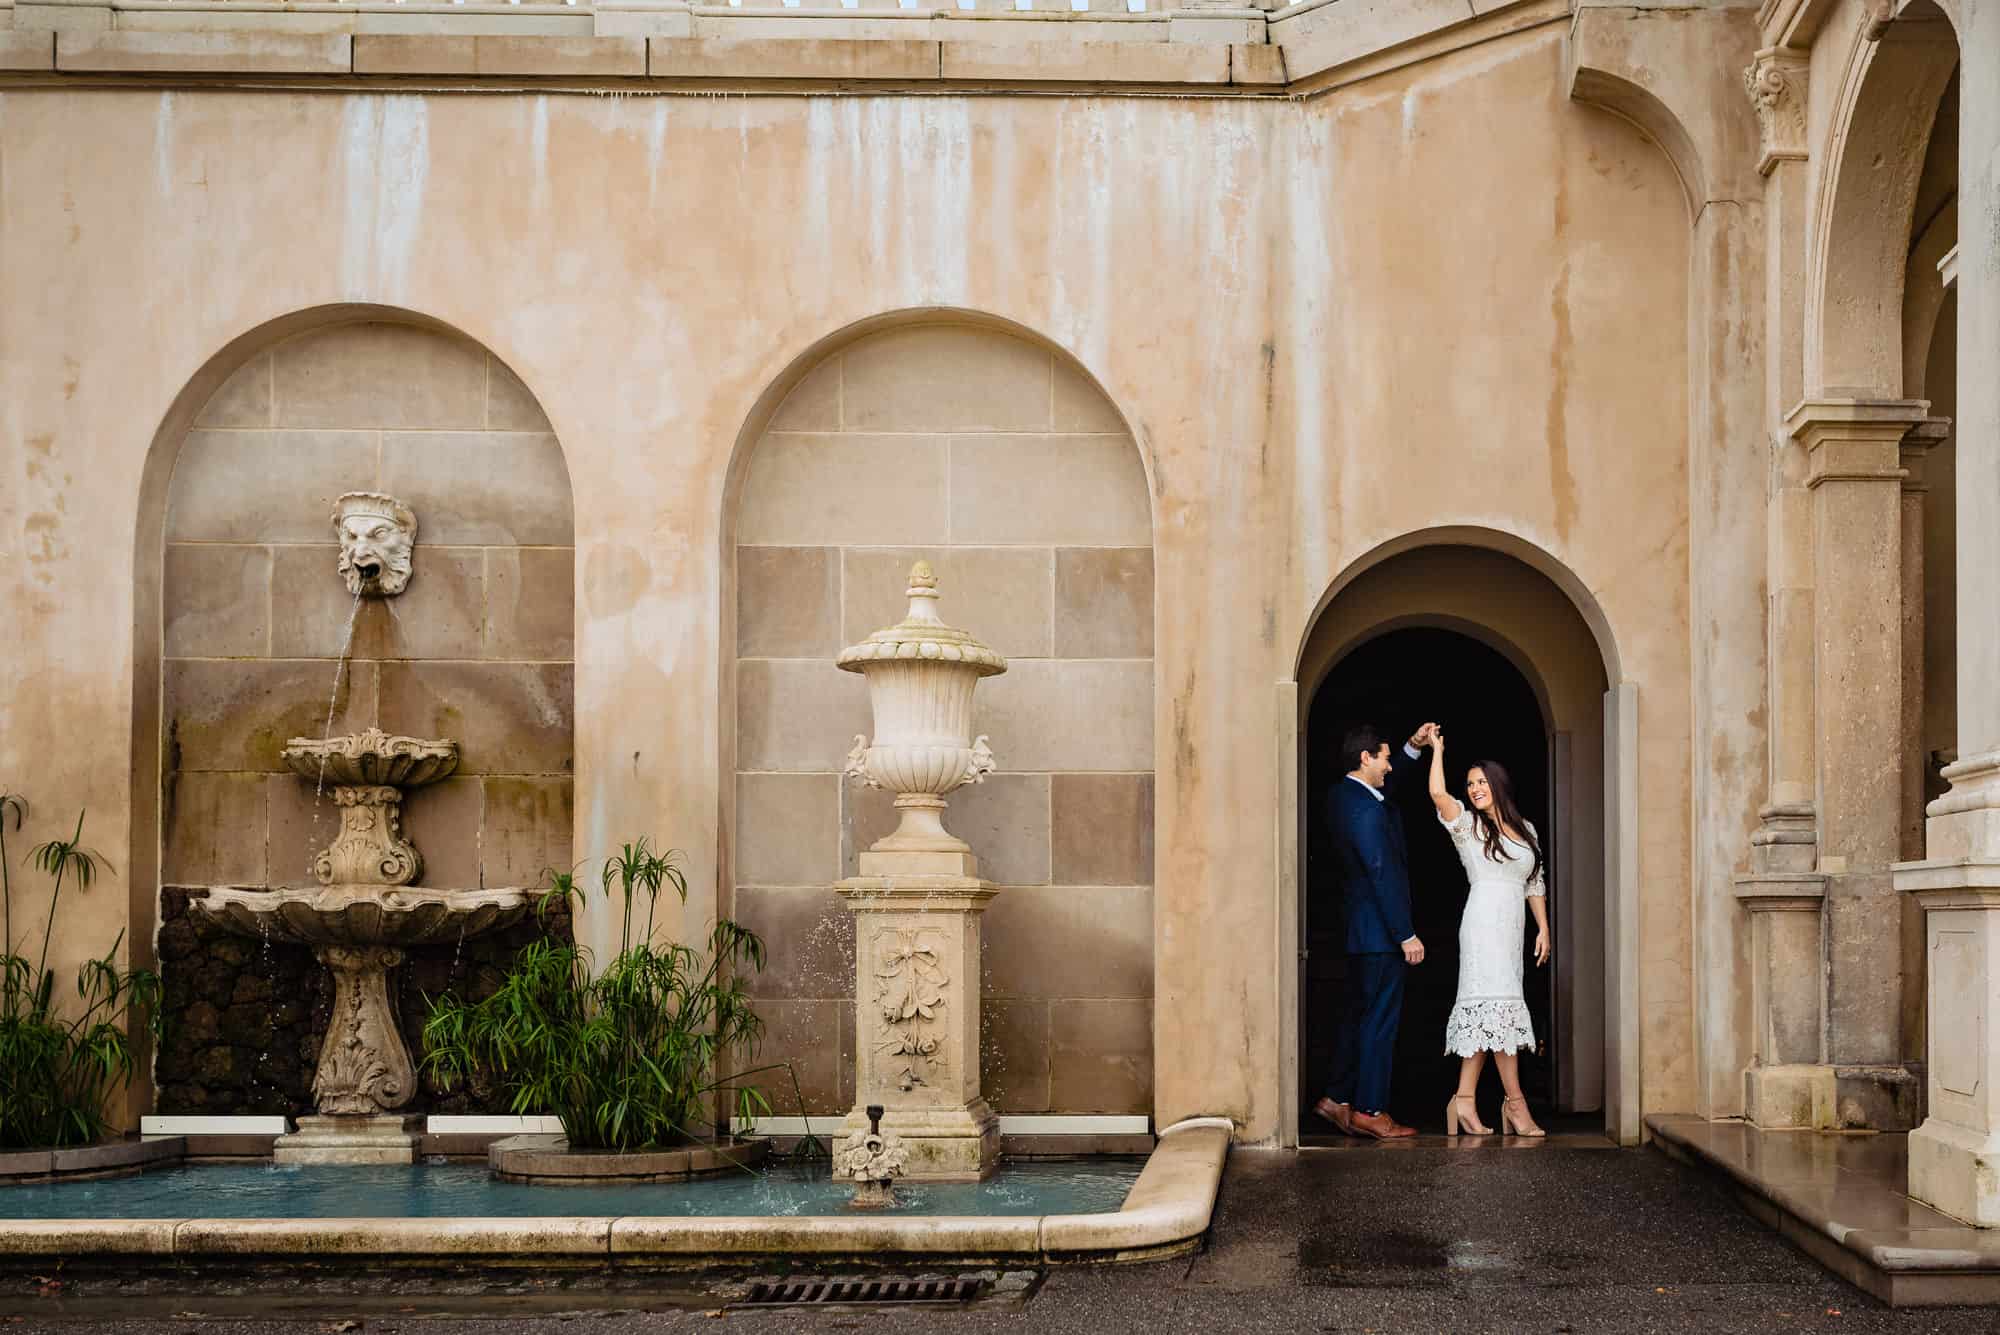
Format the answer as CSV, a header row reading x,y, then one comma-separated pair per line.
x,y
116,1158
549,1159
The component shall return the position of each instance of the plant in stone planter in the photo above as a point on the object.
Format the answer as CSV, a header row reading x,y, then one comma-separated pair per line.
x,y
628,1057
58,1068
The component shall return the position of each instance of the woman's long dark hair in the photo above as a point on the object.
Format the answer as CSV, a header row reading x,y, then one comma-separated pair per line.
x,y
1502,786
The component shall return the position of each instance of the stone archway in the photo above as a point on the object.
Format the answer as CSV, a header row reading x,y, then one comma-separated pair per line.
x,y
1861,239
1523,623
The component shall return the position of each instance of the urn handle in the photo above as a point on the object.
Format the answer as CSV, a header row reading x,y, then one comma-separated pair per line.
x,y
857,761
981,764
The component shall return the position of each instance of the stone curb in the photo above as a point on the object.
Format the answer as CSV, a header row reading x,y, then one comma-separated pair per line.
x,y
112,1159
1168,1209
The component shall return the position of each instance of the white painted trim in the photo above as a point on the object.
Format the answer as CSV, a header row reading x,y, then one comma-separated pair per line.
x,y
1948,267
1054,1125
1076,1124
474,1125
212,1126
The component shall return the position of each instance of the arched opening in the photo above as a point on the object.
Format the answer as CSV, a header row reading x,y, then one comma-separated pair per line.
x,y
1495,650
1869,206
245,636
970,443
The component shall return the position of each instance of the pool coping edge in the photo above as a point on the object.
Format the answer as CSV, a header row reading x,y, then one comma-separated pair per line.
x,y
1168,1209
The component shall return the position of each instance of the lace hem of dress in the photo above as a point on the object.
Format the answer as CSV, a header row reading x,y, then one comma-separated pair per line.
x,y
1488,1026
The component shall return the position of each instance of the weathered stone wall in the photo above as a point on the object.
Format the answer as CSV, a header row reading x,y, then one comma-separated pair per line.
x,y
479,649
1001,464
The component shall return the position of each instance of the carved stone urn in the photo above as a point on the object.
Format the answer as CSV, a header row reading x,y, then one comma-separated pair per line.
x,y
918,898
358,920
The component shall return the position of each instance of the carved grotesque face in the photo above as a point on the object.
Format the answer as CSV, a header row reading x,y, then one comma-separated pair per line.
x,y
376,534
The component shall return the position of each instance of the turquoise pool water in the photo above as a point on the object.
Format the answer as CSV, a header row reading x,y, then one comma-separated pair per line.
x,y
269,1191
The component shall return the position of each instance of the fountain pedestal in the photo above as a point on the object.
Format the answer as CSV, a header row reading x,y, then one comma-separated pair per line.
x,y
916,977
358,921
918,899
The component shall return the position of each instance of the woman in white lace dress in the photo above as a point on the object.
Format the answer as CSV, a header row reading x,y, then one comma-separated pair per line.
x,y
1503,860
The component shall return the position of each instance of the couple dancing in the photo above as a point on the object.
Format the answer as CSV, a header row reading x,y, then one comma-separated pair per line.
x,y
1502,857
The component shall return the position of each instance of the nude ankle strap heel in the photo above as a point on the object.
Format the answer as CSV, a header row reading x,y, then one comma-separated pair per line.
x,y
1514,1116
1464,1108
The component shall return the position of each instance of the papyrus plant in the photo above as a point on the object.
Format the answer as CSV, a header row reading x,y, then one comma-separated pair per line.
x,y
60,1064
627,1058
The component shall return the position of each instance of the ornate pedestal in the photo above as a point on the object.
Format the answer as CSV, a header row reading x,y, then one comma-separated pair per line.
x,y
1955,1154
918,900
916,977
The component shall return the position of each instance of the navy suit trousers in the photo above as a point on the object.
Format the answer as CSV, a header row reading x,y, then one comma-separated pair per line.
x,y
1366,1055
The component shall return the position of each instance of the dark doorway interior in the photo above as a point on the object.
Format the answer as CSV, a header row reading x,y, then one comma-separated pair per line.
x,y
1488,710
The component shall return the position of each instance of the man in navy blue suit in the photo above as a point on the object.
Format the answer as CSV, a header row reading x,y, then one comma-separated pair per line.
x,y
1382,943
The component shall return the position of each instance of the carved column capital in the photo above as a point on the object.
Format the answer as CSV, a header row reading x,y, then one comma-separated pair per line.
x,y
1854,440
1776,82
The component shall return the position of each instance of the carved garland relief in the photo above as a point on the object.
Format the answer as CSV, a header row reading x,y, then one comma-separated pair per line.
x,y
910,984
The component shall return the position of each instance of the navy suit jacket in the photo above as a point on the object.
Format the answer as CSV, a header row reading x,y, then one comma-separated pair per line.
x,y
1374,864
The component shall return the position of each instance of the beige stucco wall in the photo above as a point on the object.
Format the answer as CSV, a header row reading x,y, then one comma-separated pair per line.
x,y
1447,296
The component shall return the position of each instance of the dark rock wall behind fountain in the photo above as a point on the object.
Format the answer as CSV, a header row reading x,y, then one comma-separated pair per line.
x,y
478,649
247,1018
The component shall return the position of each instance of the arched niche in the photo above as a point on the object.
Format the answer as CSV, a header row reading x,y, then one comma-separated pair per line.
x,y
984,449
246,636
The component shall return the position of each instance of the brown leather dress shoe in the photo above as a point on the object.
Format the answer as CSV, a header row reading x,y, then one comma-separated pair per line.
x,y
1340,1114
1380,1125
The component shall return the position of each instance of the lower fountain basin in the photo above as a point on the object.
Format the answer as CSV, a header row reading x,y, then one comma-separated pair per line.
x,y
361,915
549,1159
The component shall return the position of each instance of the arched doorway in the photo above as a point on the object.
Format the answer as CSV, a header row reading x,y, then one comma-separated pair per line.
x,y
1396,681
1492,647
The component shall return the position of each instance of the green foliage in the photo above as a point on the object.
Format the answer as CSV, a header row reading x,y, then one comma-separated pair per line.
x,y
627,1058
57,1071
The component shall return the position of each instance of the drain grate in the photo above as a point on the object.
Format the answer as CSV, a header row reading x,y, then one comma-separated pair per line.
x,y
823,1292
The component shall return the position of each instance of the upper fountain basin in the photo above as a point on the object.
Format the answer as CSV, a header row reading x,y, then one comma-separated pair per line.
x,y
362,915
371,758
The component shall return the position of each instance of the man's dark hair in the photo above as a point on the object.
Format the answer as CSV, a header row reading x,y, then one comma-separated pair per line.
x,y
1362,739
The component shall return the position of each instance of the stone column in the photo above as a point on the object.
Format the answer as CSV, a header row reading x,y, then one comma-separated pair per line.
x,y
1855,480
1955,1154
1787,1082
1917,444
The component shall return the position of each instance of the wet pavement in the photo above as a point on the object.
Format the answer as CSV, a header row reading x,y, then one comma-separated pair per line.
x,y
1560,1237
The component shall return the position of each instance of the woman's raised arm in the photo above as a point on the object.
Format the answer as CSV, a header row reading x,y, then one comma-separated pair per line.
x,y
1447,805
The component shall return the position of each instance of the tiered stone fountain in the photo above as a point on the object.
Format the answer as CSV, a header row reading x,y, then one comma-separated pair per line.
x,y
366,908
918,899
